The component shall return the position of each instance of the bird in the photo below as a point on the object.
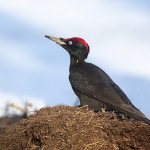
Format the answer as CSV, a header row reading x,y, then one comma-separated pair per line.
x,y
92,85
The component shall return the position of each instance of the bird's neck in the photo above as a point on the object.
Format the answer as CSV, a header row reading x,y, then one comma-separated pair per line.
x,y
75,62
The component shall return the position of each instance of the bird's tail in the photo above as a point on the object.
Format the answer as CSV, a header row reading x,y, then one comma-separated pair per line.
x,y
138,117
134,113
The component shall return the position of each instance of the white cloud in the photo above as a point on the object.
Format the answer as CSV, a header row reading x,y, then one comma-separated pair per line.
x,y
125,54
20,57
118,32
10,98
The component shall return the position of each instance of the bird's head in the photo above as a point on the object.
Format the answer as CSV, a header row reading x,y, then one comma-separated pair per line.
x,y
76,47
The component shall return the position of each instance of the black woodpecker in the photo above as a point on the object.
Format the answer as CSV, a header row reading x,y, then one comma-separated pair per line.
x,y
92,85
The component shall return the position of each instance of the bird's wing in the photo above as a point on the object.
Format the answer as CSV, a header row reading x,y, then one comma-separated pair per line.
x,y
95,83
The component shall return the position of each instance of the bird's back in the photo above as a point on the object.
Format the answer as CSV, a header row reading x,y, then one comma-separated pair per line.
x,y
91,83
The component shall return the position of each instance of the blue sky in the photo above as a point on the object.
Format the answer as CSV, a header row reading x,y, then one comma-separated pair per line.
x,y
35,69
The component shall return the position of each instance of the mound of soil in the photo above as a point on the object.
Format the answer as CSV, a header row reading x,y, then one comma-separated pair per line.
x,y
72,128
7,120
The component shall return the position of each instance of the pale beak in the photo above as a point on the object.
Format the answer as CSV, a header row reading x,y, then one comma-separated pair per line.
x,y
57,40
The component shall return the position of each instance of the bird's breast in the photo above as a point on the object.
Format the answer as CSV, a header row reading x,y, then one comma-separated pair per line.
x,y
78,80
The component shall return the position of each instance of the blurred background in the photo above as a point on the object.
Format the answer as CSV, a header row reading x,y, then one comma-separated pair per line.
x,y
35,70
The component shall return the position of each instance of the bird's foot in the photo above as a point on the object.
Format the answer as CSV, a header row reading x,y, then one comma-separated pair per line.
x,y
120,116
103,110
83,107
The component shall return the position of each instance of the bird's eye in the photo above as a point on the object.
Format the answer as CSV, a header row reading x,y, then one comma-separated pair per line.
x,y
70,42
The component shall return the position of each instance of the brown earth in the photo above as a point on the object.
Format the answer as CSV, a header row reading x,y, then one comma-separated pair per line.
x,y
73,128
7,120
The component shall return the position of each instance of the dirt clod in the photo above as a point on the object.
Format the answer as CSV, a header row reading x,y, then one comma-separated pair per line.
x,y
73,128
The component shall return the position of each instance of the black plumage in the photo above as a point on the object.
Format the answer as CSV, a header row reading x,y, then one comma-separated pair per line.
x,y
92,85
